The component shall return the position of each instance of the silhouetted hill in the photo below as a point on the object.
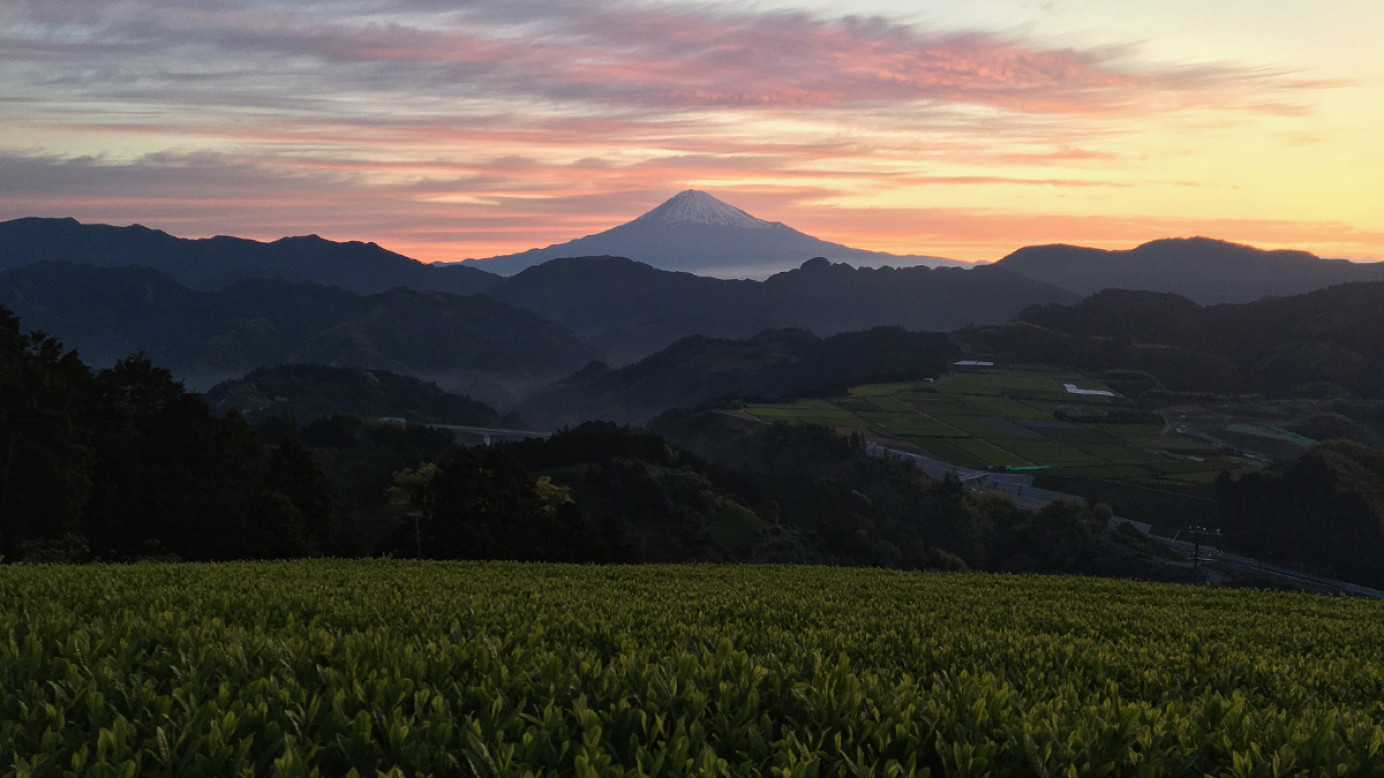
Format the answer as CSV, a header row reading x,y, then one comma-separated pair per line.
x,y
631,309
828,297
770,364
1201,269
212,263
308,392
694,231
1323,342
109,313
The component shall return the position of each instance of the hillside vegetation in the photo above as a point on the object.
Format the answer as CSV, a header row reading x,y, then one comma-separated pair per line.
x,y
1296,380
112,313
769,364
632,310
309,392
1326,342
400,669
126,464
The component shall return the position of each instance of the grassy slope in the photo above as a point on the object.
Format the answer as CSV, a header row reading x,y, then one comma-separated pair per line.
x,y
465,668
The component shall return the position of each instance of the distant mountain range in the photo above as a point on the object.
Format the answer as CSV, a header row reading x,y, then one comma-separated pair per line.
x,y
1204,270
698,233
209,264
605,308
216,308
1201,269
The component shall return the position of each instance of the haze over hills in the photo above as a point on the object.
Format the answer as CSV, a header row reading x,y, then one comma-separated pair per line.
x,y
1203,270
604,308
574,310
698,233
208,264
769,364
489,349
308,392
632,310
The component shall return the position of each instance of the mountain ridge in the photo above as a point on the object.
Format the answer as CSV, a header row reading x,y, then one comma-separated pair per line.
x,y
208,264
1205,270
633,309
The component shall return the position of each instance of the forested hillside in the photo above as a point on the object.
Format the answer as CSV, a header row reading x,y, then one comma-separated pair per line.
x,y
770,364
632,310
124,463
309,392
206,337
1328,341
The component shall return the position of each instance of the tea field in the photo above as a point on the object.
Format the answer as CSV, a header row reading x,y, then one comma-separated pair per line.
x,y
365,668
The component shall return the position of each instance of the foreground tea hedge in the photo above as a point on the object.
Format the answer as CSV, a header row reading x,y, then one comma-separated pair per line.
x,y
360,668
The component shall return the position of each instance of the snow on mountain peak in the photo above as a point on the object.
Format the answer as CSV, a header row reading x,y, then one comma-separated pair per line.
x,y
696,207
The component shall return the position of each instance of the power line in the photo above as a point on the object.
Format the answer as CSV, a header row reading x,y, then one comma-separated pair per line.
x,y
1198,532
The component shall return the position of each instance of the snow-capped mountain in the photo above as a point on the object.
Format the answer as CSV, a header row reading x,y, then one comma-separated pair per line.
x,y
698,233
695,207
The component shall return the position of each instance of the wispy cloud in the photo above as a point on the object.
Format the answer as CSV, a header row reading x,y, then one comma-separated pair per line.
x,y
606,55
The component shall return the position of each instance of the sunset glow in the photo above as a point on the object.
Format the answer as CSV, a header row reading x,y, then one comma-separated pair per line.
x,y
454,130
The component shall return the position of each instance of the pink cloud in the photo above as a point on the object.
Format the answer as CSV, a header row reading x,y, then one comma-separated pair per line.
x,y
627,57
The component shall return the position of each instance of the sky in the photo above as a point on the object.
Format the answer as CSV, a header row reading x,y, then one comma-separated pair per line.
x,y
452,129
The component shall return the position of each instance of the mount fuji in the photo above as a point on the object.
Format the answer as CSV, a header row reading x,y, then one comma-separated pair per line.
x,y
697,233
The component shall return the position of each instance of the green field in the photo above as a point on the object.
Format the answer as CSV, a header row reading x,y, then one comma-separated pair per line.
x,y
809,412
397,668
1009,419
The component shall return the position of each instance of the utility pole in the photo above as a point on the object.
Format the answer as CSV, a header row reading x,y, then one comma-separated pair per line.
x,y
1197,532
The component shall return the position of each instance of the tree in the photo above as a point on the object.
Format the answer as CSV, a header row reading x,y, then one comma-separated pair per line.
x,y
1324,510
45,451
412,499
168,470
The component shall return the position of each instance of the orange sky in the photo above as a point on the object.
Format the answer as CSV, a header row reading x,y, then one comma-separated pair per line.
x,y
447,131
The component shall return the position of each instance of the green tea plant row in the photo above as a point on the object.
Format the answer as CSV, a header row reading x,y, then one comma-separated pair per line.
x,y
399,668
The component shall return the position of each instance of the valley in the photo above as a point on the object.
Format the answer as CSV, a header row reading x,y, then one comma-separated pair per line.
x,y
672,389
1169,412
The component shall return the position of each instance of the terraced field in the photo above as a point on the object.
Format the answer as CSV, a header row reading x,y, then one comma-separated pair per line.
x,y
1009,419
393,668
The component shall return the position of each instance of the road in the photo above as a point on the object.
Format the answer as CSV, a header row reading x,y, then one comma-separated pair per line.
x,y
486,433
1217,565
1017,485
